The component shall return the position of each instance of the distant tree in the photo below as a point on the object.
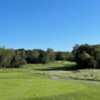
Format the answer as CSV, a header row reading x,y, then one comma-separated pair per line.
x,y
22,55
42,56
29,57
49,55
87,56
36,55
5,57
61,55
18,58
70,56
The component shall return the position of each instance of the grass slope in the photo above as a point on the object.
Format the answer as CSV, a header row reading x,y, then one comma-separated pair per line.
x,y
27,83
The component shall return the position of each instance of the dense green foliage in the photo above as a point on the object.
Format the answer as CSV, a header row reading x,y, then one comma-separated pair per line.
x,y
87,56
10,58
63,56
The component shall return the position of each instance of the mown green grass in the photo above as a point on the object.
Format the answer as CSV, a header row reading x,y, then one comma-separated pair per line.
x,y
29,83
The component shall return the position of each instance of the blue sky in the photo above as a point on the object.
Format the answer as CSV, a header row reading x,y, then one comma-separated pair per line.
x,y
57,24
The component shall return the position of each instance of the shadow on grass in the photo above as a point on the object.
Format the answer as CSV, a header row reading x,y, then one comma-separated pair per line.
x,y
64,68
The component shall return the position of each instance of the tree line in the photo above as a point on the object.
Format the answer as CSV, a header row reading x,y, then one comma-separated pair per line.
x,y
10,58
87,56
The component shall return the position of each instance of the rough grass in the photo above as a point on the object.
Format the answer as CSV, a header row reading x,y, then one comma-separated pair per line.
x,y
66,70
30,83
88,74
